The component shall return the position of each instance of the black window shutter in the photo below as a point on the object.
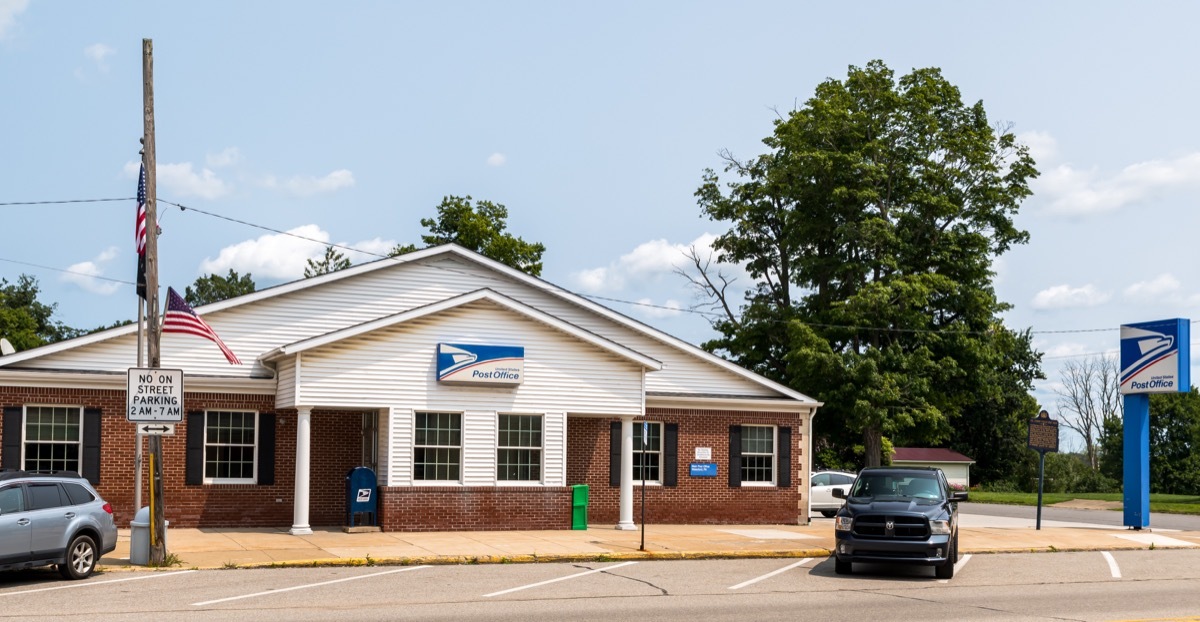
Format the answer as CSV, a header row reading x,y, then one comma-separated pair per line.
x,y
266,449
671,454
91,445
785,458
735,456
11,457
614,454
195,448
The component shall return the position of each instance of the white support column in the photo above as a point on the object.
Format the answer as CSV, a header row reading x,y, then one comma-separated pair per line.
x,y
626,521
300,526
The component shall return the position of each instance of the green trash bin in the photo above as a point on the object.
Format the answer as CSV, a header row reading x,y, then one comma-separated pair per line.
x,y
579,501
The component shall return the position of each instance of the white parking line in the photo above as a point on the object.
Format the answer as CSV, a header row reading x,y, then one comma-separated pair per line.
x,y
1112,564
770,574
587,572
301,587
93,583
962,562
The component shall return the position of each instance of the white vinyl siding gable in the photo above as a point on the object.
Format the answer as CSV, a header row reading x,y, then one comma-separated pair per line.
x,y
396,365
272,321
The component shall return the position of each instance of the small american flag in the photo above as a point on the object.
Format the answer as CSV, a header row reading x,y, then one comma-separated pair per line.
x,y
139,233
180,318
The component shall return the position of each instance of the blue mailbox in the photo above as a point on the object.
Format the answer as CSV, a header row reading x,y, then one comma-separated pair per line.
x,y
362,500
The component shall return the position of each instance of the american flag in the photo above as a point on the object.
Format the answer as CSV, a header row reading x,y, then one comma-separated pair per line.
x,y
139,233
180,318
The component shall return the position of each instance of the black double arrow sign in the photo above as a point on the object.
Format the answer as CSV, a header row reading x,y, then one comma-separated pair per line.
x,y
155,428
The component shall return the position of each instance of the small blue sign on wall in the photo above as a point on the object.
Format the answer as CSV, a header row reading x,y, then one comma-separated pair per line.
x,y
704,469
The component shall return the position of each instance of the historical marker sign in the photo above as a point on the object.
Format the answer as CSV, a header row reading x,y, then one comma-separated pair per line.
x,y
1043,433
154,395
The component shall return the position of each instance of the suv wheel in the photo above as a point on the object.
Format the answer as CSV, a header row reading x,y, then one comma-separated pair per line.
x,y
841,567
80,558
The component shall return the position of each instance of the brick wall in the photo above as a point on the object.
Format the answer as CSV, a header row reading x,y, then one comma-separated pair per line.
x,y
336,448
425,508
696,500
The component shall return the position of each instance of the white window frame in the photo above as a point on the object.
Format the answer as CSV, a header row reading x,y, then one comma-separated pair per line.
x,y
461,436
540,448
637,441
253,479
774,455
25,435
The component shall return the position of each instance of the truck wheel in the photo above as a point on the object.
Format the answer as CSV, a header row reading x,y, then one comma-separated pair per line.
x,y
946,570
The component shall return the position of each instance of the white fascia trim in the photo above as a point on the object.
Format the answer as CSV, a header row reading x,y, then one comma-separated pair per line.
x,y
458,301
119,381
733,403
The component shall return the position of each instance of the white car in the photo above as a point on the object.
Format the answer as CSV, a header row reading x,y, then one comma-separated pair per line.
x,y
821,491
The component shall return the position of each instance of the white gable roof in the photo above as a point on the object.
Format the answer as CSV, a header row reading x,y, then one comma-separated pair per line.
x,y
687,369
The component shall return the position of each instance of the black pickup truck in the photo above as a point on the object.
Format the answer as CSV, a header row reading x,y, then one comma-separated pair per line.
x,y
898,515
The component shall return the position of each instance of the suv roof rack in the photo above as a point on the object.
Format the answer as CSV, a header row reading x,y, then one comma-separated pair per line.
x,y
11,474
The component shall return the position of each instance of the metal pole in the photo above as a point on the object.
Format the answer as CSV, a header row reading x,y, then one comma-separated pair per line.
x,y
137,439
1041,478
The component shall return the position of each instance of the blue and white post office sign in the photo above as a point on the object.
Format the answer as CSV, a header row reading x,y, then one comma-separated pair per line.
x,y
1156,357
469,363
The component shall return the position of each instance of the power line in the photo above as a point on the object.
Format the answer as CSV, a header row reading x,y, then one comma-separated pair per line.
x,y
94,276
707,314
63,201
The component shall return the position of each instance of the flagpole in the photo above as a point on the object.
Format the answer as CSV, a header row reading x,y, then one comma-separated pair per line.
x,y
137,438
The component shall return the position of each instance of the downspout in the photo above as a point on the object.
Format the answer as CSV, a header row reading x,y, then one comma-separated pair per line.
x,y
812,415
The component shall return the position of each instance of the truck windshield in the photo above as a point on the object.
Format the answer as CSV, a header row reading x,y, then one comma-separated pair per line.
x,y
897,487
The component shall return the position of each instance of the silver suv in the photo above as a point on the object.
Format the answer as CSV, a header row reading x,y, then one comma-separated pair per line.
x,y
53,518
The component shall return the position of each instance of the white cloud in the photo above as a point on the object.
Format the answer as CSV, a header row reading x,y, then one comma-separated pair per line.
x,y
98,52
1075,191
272,256
308,186
1067,297
1042,146
227,157
181,181
285,256
1155,289
496,159
83,273
372,249
649,308
9,9
652,259
1060,350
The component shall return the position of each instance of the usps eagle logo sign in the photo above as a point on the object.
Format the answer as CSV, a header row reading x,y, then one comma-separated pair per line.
x,y
1155,357
480,364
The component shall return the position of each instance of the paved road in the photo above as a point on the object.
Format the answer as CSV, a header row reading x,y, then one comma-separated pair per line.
x,y
1099,517
1090,585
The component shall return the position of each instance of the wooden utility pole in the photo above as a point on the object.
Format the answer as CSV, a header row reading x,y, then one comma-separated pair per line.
x,y
158,523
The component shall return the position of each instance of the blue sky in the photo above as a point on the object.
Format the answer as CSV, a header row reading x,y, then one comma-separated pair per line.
x,y
348,122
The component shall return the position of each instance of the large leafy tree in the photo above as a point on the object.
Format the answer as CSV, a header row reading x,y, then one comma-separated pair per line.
x,y
215,288
25,321
1174,436
479,226
870,227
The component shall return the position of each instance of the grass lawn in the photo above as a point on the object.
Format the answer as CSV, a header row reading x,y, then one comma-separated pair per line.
x,y
1167,504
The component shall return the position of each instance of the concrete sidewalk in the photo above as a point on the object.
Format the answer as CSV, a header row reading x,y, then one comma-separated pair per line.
x,y
229,548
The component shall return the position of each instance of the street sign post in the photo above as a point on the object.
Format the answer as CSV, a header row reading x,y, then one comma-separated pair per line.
x,y
154,395
1043,437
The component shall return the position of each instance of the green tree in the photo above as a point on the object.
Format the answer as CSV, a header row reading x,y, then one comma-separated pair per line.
x,y
479,226
1174,435
870,227
24,320
333,261
215,288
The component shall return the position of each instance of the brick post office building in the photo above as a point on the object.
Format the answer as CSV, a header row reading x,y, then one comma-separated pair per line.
x,y
477,393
